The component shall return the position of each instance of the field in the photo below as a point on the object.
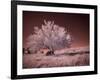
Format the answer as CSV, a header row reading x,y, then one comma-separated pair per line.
x,y
62,58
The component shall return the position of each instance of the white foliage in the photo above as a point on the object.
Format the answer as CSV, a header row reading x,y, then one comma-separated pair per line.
x,y
50,36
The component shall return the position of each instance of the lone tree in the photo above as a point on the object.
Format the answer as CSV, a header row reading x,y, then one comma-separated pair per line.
x,y
50,36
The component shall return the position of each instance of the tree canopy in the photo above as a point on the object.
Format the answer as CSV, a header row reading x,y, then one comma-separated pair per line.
x,y
50,36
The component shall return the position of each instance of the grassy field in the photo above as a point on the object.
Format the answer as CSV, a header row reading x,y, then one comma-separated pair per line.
x,y
73,58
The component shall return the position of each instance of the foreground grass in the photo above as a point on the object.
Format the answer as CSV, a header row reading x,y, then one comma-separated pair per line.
x,y
57,60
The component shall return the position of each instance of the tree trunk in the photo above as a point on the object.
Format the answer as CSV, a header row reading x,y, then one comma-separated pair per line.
x,y
50,53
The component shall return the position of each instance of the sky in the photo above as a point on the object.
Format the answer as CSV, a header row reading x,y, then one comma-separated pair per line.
x,y
76,24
